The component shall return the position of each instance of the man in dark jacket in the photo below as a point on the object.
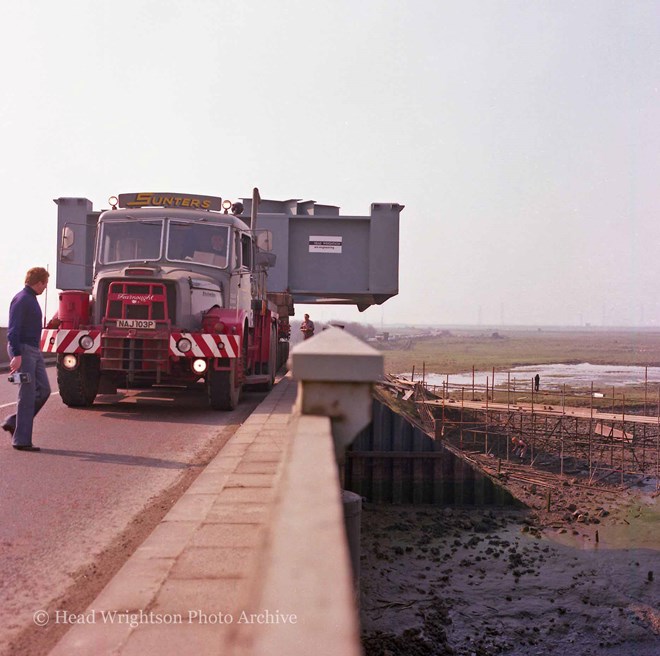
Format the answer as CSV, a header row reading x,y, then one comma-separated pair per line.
x,y
23,346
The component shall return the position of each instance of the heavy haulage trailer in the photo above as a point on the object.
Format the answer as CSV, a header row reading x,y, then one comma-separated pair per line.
x,y
178,289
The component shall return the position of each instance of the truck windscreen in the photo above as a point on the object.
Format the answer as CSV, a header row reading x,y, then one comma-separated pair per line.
x,y
202,244
130,241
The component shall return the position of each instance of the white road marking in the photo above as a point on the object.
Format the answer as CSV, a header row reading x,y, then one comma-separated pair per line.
x,y
8,405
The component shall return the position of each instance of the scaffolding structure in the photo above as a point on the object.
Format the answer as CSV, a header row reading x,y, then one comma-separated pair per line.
x,y
562,431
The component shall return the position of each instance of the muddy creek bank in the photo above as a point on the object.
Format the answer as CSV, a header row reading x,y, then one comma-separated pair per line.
x,y
474,581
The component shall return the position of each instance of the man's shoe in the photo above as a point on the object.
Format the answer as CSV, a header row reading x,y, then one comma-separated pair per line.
x,y
26,447
8,428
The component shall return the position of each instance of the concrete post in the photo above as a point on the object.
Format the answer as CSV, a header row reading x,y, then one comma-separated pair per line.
x,y
335,372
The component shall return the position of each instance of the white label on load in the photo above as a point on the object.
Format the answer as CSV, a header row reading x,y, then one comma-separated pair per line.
x,y
323,244
136,323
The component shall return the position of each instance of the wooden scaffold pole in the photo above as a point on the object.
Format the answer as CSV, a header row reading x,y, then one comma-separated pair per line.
x,y
591,428
623,437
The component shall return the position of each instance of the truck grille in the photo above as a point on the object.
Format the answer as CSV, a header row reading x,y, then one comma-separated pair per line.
x,y
134,355
136,352
114,298
131,300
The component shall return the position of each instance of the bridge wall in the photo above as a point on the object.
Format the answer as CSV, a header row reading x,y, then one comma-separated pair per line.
x,y
393,461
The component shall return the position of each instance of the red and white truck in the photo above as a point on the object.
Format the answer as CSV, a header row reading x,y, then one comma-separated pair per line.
x,y
177,297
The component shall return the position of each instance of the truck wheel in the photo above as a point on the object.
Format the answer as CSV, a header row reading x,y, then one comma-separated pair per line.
x,y
79,387
222,388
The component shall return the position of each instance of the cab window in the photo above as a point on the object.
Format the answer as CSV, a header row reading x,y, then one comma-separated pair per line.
x,y
201,244
246,251
130,241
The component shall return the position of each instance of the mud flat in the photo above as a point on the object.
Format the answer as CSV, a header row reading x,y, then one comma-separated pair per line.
x,y
474,581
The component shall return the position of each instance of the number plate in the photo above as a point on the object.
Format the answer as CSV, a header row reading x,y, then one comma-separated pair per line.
x,y
136,323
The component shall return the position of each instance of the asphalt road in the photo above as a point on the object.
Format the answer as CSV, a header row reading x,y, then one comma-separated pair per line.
x,y
71,514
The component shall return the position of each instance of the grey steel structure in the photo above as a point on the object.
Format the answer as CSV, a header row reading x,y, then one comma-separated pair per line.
x,y
321,256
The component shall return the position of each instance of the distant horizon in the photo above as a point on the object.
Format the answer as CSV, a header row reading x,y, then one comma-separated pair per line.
x,y
485,326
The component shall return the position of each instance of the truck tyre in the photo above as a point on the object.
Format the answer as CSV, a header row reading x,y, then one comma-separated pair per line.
x,y
222,389
79,387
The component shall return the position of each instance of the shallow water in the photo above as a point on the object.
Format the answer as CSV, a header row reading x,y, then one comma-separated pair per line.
x,y
553,376
635,527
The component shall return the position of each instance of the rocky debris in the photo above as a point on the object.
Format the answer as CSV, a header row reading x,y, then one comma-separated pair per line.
x,y
487,582
429,639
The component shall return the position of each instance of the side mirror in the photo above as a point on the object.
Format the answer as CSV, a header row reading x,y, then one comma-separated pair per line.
x,y
265,259
264,240
66,244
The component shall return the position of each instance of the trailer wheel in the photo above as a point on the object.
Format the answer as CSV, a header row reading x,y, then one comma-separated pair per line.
x,y
282,354
79,387
222,388
272,367
272,358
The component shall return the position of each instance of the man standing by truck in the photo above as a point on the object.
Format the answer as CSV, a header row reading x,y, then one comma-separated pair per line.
x,y
27,363
307,327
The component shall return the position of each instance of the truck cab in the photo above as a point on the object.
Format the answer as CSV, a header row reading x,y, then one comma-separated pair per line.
x,y
200,261
178,295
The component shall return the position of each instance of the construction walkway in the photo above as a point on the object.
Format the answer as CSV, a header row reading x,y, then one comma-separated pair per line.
x,y
544,410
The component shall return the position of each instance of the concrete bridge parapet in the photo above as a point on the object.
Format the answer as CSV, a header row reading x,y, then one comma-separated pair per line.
x,y
253,559
335,373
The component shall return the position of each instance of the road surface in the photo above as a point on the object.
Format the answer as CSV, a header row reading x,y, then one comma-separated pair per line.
x,y
71,514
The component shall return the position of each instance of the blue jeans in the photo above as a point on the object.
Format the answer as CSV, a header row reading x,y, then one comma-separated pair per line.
x,y
31,396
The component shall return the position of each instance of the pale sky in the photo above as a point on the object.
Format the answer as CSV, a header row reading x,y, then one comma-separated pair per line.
x,y
522,137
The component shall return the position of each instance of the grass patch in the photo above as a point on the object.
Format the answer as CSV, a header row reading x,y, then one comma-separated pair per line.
x,y
459,351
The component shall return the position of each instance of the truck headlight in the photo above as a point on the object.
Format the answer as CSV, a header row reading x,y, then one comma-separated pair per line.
x,y
69,361
199,366
184,345
86,342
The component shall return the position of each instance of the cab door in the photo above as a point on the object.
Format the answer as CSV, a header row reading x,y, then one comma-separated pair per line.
x,y
241,285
